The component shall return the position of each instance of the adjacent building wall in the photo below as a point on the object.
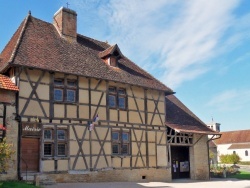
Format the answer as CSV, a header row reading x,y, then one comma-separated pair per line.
x,y
7,99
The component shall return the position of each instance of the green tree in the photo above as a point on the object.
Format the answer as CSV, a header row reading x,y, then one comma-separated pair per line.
x,y
230,158
6,151
211,154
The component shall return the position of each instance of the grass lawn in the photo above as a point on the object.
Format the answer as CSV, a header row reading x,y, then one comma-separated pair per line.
x,y
242,175
11,184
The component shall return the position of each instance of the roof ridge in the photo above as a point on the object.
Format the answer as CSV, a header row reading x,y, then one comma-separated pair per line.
x,y
236,131
94,39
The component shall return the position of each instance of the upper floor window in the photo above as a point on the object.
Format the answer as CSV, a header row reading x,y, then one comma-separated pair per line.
x,y
246,153
65,90
117,98
120,142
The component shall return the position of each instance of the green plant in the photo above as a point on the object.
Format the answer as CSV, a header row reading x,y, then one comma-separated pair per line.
x,y
211,154
241,175
11,184
230,158
6,151
217,170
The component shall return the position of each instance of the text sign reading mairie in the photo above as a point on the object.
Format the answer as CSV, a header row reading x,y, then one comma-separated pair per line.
x,y
31,129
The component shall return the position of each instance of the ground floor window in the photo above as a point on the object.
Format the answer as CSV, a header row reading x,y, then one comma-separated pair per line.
x,y
55,141
120,142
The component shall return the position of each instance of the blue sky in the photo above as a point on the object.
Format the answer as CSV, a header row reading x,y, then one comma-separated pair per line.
x,y
199,48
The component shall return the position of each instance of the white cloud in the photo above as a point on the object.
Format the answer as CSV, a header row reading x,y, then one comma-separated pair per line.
x,y
173,37
231,100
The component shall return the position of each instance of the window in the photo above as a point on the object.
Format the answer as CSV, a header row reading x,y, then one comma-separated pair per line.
x,y
234,152
61,142
48,149
112,61
65,90
117,98
55,142
48,142
120,142
246,153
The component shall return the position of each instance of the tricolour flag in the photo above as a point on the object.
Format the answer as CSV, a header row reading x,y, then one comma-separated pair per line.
x,y
96,118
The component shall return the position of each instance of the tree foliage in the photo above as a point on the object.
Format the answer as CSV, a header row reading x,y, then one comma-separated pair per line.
x,y
230,158
6,151
211,154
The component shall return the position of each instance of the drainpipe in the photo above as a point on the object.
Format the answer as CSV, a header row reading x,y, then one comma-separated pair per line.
x,y
212,138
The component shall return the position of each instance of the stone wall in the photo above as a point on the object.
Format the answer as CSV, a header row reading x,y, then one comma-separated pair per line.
x,y
11,132
199,168
137,175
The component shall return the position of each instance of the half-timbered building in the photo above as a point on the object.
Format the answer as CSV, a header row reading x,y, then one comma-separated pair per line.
x,y
88,113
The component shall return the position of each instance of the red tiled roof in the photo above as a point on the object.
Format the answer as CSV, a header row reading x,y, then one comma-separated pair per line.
x,y
181,119
212,144
110,51
37,44
230,137
6,83
240,146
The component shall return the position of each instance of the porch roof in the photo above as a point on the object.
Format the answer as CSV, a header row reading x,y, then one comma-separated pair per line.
x,y
183,120
191,129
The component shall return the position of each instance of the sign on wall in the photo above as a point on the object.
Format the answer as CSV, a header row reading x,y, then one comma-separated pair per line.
x,y
31,129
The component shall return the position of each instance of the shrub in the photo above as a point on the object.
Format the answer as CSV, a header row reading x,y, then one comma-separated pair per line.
x,y
230,158
218,170
6,151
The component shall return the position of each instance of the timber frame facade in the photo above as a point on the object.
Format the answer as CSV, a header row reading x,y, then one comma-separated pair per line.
x,y
143,120
87,113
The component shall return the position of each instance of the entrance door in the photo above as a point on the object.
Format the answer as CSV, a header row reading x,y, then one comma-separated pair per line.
x,y
180,162
30,154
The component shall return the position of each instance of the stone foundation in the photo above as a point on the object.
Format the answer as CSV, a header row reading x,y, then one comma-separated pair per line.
x,y
137,175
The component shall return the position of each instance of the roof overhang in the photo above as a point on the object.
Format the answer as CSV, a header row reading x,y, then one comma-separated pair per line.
x,y
191,129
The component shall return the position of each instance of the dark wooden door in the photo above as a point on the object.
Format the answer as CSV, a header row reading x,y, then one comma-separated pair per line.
x,y
30,154
180,162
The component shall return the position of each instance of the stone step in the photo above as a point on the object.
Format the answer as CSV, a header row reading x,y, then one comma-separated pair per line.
x,y
38,178
28,178
47,182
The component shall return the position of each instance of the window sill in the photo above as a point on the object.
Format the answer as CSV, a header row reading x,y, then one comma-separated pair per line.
x,y
115,108
120,156
65,102
55,158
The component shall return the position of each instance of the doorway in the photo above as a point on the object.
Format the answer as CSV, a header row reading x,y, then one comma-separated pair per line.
x,y
180,162
30,154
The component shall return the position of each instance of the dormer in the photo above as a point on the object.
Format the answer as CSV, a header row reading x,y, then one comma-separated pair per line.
x,y
111,55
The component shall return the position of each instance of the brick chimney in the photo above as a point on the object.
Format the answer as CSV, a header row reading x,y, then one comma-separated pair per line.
x,y
65,23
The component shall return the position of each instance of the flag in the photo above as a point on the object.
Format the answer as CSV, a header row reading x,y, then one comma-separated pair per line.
x,y
91,127
2,127
96,118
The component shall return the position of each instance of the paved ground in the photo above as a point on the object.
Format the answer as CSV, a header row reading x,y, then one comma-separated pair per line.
x,y
184,183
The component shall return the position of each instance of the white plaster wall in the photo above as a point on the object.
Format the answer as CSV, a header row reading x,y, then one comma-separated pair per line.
x,y
241,153
223,150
